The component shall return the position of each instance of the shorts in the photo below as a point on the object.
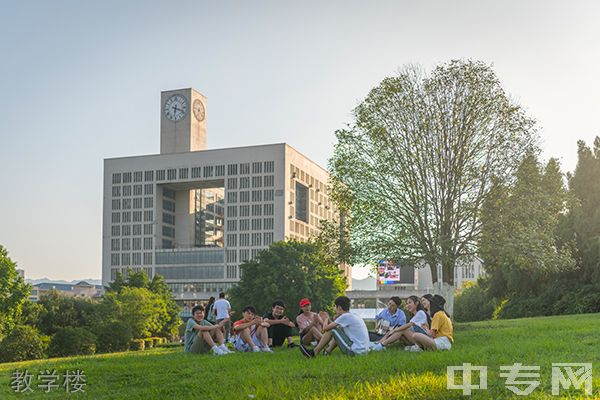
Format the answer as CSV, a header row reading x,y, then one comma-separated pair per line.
x,y
442,343
242,346
418,329
199,346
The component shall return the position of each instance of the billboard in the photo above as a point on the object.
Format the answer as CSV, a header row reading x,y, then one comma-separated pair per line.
x,y
388,273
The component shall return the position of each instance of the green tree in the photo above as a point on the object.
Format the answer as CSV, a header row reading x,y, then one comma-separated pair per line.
x,y
59,311
13,292
417,163
581,224
519,243
288,271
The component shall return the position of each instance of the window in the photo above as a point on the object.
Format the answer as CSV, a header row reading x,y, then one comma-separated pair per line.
x,y
147,258
244,239
168,231
256,210
256,181
232,197
220,170
148,229
232,169
231,239
232,183
116,178
137,176
231,256
137,190
232,225
256,239
126,244
147,243
137,259
137,216
257,168
148,215
232,270
245,196
268,209
126,204
269,166
126,216
256,195
115,245
168,218
269,181
116,217
183,173
126,258
127,190
231,211
126,231
196,172
171,174
116,191
137,243
169,205
137,229
116,230
127,177
115,259
149,188
268,238
208,171
116,204
244,211
148,202
148,176
268,195
245,169
301,202
268,223
244,225
256,224
137,202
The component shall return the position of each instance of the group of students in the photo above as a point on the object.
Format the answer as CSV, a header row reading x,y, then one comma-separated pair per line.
x,y
429,328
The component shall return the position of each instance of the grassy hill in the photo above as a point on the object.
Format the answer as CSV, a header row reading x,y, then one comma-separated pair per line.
x,y
167,373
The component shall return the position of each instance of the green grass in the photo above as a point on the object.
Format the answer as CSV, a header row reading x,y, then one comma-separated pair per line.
x,y
167,373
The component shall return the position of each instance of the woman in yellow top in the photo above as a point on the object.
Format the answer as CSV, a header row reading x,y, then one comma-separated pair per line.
x,y
440,334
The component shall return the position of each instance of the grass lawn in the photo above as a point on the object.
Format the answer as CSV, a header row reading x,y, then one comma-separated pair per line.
x,y
167,373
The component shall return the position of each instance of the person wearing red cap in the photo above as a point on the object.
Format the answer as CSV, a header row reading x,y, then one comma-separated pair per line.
x,y
309,323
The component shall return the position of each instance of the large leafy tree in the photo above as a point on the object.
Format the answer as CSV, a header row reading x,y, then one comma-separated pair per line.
x,y
289,271
13,292
519,242
415,166
581,224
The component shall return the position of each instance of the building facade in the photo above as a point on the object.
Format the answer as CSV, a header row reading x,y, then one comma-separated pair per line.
x,y
194,215
80,290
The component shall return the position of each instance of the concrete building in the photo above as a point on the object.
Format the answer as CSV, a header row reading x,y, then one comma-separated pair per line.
x,y
81,289
194,215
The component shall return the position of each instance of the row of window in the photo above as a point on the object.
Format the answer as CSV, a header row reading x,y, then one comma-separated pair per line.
x,y
128,230
207,171
132,190
113,271
255,224
126,244
249,239
126,259
135,203
256,210
200,287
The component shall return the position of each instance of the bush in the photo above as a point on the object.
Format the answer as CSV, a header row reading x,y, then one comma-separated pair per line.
x,y
148,343
23,343
472,305
69,341
137,345
156,341
113,336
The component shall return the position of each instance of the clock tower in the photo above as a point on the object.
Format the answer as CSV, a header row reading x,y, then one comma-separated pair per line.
x,y
182,121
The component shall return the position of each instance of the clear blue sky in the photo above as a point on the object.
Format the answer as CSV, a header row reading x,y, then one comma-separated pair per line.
x,y
81,81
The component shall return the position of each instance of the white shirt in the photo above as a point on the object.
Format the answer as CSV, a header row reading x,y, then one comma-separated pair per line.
x,y
419,319
222,307
356,330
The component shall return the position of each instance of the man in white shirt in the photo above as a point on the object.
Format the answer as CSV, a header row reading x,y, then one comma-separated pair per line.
x,y
348,331
222,309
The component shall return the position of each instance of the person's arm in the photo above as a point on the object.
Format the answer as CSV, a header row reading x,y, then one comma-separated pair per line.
x,y
244,325
199,327
330,326
272,321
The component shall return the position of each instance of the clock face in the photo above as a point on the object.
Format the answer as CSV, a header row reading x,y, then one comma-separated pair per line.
x,y
199,112
175,107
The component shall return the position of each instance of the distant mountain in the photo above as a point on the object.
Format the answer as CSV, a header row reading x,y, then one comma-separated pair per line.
x,y
369,283
46,280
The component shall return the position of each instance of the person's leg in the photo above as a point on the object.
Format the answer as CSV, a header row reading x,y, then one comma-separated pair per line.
x,y
262,335
277,335
325,339
218,336
342,341
200,345
424,341
245,335
393,337
207,338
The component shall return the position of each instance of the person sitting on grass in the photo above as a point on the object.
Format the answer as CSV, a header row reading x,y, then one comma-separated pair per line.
x,y
251,332
309,323
348,331
388,318
439,337
417,324
280,327
200,335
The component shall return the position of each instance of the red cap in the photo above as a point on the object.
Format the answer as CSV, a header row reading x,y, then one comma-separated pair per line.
x,y
304,302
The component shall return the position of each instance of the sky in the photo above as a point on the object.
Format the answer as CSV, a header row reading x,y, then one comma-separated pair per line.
x,y
81,81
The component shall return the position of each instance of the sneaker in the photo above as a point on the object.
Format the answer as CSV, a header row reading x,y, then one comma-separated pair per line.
x,y
256,350
378,347
218,352
314,343
308,353
413,348
292,345
266,349
224,349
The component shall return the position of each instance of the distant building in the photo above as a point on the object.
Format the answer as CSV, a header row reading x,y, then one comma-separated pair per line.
x,y
80,289
193,214
416,281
